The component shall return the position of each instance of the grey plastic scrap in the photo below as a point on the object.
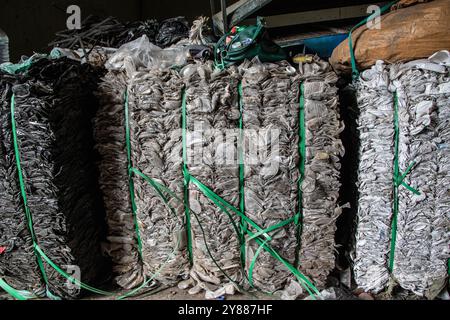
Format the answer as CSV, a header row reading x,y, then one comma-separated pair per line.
x,y
423,224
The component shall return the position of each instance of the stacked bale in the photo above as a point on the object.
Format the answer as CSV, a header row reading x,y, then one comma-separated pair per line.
x,y
155,124
404,119
212,113
53,109
271,105
271,194
321,183
109,132
423,224
18,263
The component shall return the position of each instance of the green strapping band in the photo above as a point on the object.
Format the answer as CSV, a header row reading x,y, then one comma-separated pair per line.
x,y
355,72
244,225
397,181
186,176
16,294
302,158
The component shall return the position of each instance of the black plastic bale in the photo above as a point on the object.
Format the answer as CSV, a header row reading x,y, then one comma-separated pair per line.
x,y
54,106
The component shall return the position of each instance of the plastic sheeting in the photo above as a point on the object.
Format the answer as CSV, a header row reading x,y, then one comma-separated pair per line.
x,y
53,108
422,236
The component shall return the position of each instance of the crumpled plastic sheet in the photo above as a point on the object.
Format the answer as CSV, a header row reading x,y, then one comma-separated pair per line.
x,y
155,122
109,133
54,106
271,101
142,54
423,237
212,111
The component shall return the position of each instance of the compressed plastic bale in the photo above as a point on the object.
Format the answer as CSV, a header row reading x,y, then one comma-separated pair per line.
x,y
109,132
271,106
423,236
52,99
135,61
321,183
416,93
375,172
155,124
212,113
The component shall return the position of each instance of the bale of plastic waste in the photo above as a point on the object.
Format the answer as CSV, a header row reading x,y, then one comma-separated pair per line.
x,y
155,126
376,134
403,225
212,118
297,179
50,102
109,134
133,77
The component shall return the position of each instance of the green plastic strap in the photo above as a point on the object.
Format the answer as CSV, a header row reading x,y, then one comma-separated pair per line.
x,y
272,228
395,185
355,72
244,224
16,294
301,168
23,194
186,176
130,175
399,180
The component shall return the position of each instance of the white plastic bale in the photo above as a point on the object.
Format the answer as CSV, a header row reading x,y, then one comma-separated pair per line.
x,y
423,229
321,183
423,224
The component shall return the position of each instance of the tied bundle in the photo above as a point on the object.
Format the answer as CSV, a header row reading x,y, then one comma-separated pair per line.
x,y
402,234
54,214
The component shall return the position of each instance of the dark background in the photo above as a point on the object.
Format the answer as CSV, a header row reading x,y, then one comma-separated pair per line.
x,y
31,24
